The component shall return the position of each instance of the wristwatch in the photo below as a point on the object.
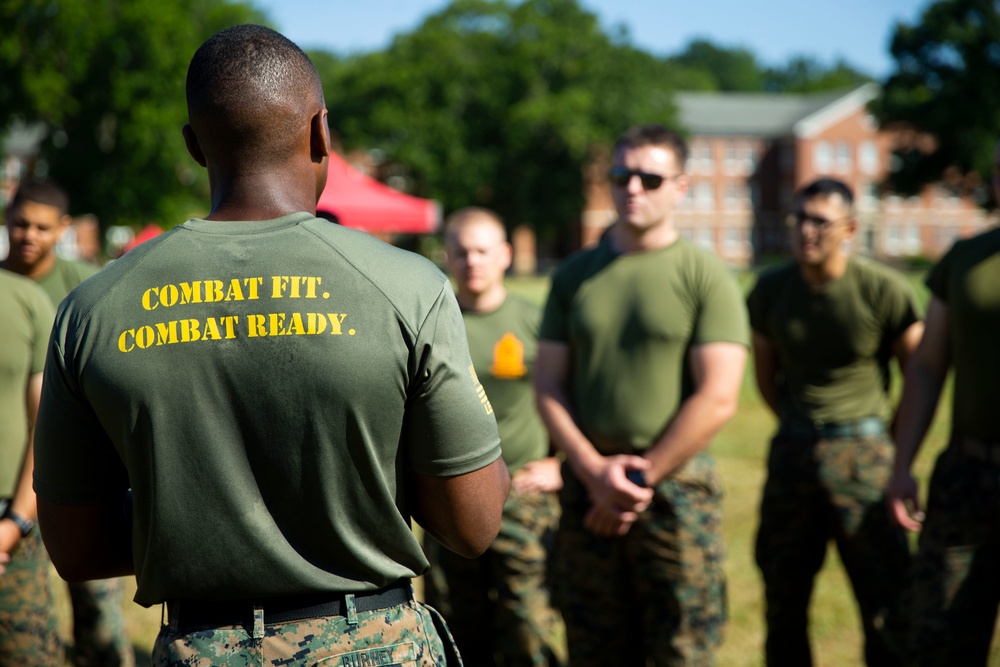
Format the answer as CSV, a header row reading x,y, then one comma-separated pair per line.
x,y
24,525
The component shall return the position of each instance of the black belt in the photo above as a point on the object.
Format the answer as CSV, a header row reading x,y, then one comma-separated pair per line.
x,y
822,430
979,450
186,613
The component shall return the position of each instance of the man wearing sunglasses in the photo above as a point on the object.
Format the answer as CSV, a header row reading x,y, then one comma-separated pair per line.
x,y
643,344
825,327
955,587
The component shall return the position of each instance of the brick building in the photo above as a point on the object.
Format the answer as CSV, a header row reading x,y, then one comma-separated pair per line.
x,y
751,151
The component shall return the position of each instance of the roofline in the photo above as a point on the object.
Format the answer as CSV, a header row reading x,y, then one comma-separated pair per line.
x,y
837,110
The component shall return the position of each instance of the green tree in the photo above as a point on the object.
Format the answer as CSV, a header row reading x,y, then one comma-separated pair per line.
x,y
107,78
805,74
732,69
499,104
946,84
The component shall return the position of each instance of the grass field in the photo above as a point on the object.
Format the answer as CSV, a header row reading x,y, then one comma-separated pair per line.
x,y
740,450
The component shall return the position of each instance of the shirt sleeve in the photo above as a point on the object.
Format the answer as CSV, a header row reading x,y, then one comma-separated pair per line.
x,y
555,316
449,427
722,312
940,276
899,307
756,309
76,462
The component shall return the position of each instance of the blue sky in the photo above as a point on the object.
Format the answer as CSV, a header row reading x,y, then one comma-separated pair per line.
x,y
856,30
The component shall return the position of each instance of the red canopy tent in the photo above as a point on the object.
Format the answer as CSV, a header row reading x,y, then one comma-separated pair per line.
x,y
361,202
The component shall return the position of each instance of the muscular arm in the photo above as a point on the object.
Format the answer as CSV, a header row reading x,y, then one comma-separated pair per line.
x,y
616,501
766,369
463,512
718,372
926,371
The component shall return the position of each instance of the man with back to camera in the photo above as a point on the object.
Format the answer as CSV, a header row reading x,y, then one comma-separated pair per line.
x,y
36,218
643,345
499,606
28,621
825,327
955,589
280,394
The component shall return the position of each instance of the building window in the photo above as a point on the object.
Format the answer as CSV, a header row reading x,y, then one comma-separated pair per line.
x,y
911,240
734,241
869,197
891,241
701,158
868,157
740,157
822,157
735,195
844,161
702,237
703,195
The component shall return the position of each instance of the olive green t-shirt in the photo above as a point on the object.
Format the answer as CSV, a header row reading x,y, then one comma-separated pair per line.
x,y
266,389
630,320
504,345
834,343
25,321
967,280
64,277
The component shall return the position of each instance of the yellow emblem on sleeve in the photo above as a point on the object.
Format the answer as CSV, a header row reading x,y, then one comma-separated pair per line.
x,y
480,390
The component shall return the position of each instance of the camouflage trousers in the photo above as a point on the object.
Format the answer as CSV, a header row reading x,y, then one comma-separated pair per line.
x,y
655,596
99,638
28,624
956,587
818,490
499,606
409,634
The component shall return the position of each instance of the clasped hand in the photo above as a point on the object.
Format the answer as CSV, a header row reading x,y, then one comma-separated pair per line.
x,y
616,501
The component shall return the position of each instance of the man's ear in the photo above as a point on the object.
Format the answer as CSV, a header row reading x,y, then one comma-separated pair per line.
x,y
193,147
319,136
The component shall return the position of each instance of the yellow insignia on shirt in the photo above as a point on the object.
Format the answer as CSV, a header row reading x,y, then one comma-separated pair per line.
x,y
480,390
508,358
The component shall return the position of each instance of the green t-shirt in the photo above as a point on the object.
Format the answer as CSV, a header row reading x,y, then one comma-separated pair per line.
x,y
967,279
64,277
630,320
833,344
504,345
25,322
265,388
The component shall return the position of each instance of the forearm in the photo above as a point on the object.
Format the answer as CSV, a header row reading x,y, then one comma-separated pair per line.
x,y
463,512
921,392
553,406
691,430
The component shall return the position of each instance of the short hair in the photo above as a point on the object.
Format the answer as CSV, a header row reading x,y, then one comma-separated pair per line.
x,y
826,187
41,192
471,214
652,134
248,88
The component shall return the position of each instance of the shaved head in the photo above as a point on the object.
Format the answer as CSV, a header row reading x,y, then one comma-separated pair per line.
x,y
251,94
472,215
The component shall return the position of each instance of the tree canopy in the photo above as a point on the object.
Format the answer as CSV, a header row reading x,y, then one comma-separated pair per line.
x,y
946,84
107,78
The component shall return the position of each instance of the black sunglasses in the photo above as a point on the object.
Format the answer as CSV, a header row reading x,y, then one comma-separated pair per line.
x,y
620,177
800,218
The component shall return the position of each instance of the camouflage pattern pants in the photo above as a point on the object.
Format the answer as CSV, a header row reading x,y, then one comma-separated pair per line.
x,y
499,605
28,624
409,634
818,490
99,638
956,587
658,594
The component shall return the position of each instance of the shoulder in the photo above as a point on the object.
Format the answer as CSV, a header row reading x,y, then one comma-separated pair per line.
x,y
25,295
877,281
974,248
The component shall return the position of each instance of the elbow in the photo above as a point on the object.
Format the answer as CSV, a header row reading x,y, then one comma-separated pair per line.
x,y
725,408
